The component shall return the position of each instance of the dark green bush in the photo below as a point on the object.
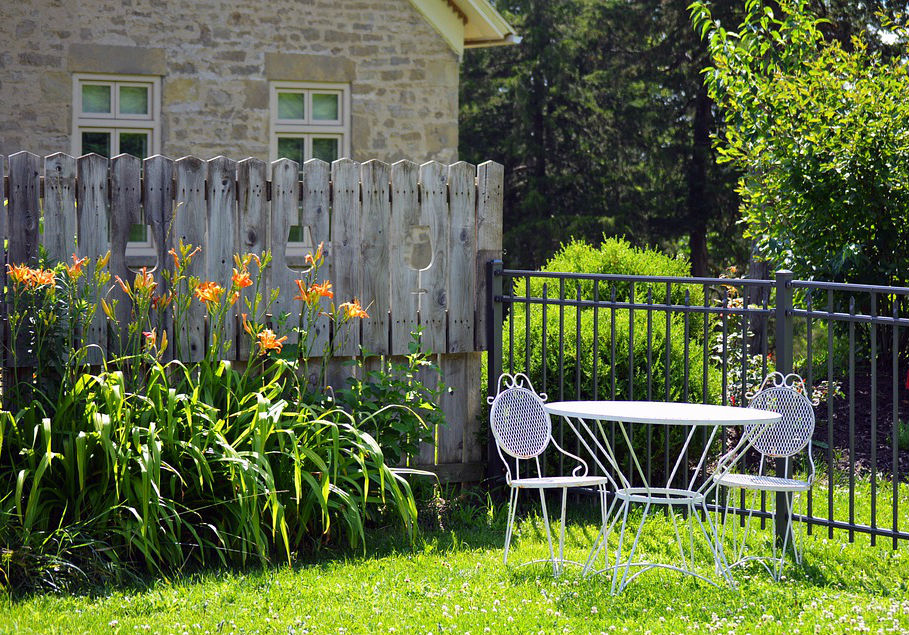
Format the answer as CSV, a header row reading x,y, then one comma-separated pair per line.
x,y
614,256
640,378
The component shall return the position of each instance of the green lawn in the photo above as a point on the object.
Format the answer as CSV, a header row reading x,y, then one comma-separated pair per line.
x,y
454,581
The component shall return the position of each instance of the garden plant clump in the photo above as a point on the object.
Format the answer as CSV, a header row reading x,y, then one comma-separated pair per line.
x,y
145,462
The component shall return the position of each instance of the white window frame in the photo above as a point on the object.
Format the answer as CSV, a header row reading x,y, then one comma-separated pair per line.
x,y
307,128
115,123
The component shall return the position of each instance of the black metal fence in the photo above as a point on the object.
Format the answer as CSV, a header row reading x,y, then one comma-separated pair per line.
x,y
713,340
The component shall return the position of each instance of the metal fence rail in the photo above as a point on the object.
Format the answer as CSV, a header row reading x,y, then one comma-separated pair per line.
x,y
598,336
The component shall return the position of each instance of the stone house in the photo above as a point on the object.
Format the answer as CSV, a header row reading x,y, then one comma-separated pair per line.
x,y
268,79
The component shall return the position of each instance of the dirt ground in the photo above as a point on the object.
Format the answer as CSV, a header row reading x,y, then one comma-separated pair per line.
x,y
863,424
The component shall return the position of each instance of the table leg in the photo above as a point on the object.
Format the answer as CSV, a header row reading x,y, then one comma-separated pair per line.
x,y
555,567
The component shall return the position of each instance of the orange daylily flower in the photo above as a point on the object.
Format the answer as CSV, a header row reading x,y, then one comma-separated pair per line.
x,y
75,270
241,278
324,289
353,310
19,273
304,294
209,291
246,325
234,297
317,259
176,258
122,284
268,342
41,277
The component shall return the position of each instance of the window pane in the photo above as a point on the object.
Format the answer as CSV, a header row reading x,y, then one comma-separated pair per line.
x,y
324,107
97,142
292,148
325,149
138,233
95,98
134,143
295,235
134,100
291,106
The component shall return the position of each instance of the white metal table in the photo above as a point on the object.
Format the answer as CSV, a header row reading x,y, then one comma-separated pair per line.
x,y
584,416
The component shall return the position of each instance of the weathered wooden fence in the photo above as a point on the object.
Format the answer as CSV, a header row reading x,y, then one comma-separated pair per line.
x,y
410,241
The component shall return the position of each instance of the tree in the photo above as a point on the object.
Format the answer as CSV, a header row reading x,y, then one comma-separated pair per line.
x,y
820,134
602,122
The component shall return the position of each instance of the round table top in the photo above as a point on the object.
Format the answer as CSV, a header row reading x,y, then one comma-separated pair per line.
x,y
664,413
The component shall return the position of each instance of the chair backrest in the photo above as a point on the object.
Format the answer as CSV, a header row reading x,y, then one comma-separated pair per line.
x,y
521,426
785,396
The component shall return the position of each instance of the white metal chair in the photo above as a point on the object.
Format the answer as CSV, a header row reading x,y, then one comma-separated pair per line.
x,y
783,440
523,430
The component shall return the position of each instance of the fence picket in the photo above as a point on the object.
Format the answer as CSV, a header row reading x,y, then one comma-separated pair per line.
x,y
409,251
24,208
221,238
124,213
189,227
59,237
315,217
253,213
158,204
93,223
375,215
490,198
434,213
462,249
345,244
285,193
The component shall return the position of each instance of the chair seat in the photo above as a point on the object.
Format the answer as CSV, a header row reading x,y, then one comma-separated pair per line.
x,y
763,483
547,482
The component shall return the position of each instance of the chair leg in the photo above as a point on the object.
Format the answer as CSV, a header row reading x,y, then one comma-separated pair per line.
x,y
512,506
562,528
789,532
555,569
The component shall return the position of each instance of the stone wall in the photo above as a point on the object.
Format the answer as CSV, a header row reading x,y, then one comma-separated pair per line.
x,y
216,59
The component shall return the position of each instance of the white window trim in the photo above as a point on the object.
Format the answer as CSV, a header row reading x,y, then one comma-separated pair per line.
x,y
136,252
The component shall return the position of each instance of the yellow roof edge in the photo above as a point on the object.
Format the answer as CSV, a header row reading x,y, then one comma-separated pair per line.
x,y
467,23
495,22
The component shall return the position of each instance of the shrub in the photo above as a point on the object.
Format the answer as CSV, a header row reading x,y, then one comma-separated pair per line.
x,y
634,379
614,256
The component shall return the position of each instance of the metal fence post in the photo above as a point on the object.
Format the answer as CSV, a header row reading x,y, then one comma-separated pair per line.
x,y
494,324
783,279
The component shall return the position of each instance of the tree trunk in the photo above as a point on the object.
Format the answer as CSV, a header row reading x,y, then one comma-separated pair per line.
x,y
698,206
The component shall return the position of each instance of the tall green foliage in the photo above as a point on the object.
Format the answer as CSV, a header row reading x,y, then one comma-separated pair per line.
x,y
820,132
154,465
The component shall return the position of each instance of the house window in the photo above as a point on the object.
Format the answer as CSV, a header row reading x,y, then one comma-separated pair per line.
x,y
118,114
309,121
